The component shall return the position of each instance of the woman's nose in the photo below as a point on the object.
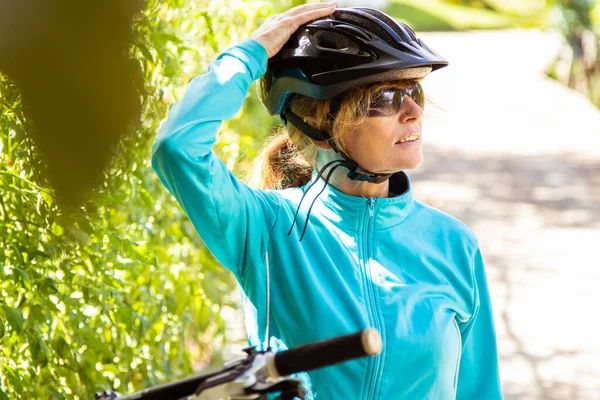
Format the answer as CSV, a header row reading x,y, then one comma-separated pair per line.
x,y
410,110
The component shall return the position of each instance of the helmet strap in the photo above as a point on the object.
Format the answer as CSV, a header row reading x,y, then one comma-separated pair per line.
x,y
314,134
334,107
355,172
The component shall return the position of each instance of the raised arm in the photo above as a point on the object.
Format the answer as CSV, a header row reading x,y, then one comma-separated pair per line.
x,y
233,220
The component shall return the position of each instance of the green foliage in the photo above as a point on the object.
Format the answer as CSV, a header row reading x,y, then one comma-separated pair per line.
x,y
519,8
120,293
439,15
579,21
576,15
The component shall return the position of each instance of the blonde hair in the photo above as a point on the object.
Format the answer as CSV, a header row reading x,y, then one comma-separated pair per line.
x,y
288,158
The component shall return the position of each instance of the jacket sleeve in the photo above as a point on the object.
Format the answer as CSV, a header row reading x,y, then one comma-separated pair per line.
x,y
478,376
233,220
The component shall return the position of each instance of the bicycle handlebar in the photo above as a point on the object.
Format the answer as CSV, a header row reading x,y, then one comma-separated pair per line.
x,y
262,372
328,352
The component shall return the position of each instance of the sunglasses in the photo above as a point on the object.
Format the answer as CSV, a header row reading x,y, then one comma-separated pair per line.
x,y
389,101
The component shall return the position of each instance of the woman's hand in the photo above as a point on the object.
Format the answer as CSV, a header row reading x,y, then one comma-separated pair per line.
x,y
276,30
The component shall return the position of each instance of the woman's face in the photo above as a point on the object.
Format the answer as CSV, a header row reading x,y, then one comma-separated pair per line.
x,y
380,144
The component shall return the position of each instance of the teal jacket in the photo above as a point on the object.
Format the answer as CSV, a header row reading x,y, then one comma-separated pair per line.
x,y
395,264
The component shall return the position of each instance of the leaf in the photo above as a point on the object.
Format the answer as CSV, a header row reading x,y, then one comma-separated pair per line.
x,y
57,229
78,234
14,316
145,51
86,225
22,276
37,315
94,341
18,253
62,348
49,199
48,284
168,37
39,350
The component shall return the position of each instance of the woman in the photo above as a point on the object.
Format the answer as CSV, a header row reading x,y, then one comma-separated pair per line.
x,y
350,248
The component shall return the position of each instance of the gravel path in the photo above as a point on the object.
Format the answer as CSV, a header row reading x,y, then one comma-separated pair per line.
x,y
517,158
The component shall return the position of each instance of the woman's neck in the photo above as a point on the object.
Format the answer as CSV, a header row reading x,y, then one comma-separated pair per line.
x,y
341,182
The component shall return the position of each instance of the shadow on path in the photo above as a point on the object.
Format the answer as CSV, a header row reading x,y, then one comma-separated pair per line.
x,y
563,189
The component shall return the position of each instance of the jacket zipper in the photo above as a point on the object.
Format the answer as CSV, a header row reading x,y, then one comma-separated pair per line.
x,y
371,295
459,352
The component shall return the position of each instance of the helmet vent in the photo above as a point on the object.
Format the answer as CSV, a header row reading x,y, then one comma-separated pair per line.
x,y
368,25
410,30
400,28
335,41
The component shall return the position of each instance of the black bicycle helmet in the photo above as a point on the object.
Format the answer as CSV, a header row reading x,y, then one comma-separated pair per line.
x,y
328,56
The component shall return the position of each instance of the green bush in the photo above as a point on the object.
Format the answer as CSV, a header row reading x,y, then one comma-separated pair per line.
x,y
120,293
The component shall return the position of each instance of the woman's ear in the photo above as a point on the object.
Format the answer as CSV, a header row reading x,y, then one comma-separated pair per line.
x,y
312,121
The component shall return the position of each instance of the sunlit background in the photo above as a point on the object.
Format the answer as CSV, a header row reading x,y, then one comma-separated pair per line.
x,y
113,287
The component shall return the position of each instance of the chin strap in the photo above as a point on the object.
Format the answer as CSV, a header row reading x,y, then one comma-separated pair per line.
x,y
355,172
315,199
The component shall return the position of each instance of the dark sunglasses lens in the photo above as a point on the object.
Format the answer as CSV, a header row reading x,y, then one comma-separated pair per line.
x,y
389,101
416,93
385,102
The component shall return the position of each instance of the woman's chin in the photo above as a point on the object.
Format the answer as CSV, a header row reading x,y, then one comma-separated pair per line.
x,y
404,166
415,164
410,158
411,162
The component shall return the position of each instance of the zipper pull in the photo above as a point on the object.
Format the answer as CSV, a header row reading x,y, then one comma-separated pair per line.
x,y
371,204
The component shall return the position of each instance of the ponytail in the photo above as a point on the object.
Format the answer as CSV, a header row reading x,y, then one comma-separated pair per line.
x,y
288,158
280,165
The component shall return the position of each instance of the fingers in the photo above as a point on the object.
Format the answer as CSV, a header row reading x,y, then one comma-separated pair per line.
x,y
275,31
308,7
313,14
306,16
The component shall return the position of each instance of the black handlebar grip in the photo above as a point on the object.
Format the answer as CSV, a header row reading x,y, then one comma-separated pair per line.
x,y
328,352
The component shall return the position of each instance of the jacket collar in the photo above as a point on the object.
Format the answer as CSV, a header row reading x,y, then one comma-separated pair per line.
x,y
350,211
